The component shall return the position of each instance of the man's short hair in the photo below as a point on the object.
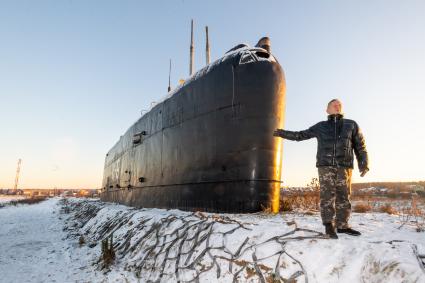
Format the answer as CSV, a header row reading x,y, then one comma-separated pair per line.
x,y
335,99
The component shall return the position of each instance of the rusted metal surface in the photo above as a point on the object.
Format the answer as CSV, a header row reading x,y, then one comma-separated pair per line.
x,y
209,146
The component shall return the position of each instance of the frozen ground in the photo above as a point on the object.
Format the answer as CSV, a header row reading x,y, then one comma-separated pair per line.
x,y
7,198
40,243
32,246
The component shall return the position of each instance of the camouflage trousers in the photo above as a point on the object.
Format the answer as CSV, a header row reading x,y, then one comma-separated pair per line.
x,y
335,188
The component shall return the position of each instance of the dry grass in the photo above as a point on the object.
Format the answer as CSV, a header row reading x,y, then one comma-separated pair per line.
x,y
310,202
266,209
34,200
81,240
388,208
362,207
107,252
410,212
410,216
286,205
250,272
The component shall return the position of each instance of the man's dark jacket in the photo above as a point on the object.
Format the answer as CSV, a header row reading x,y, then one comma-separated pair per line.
x,y
337,138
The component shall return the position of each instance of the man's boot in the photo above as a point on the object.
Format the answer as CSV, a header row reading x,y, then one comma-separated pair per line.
x,y
330,231
348,231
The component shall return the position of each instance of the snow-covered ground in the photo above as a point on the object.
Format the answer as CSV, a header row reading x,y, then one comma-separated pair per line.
x,y
7,198
40,243
32,246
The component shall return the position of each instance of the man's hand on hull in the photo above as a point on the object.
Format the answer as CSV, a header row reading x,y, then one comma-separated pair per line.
x,y
278,133
363,172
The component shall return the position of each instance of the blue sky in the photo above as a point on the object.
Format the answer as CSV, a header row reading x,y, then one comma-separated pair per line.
x,y
74,75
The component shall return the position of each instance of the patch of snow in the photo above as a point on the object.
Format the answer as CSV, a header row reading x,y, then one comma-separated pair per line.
x,y
34,248
8,198
40,244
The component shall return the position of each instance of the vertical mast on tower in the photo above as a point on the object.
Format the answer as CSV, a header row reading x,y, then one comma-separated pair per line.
x,y
207,46
18,169
191,68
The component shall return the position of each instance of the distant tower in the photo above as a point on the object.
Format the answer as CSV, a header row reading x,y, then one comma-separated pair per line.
x,y
207,46
18,169
191,50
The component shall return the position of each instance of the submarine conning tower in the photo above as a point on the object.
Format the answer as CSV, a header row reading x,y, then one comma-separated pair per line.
x,y
209,145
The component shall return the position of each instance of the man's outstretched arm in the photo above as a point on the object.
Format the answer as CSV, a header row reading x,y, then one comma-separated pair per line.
x,y
296,136
360,151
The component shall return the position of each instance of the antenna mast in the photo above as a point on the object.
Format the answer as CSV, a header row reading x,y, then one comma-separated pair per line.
x,y
191,50
18,169
207,47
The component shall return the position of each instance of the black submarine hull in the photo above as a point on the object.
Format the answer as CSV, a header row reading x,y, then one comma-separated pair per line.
x,y
209,145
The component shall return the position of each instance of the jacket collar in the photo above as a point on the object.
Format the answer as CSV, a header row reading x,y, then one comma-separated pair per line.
x,y
335,117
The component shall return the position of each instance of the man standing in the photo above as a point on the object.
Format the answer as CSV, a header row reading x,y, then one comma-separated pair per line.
x,y
337,139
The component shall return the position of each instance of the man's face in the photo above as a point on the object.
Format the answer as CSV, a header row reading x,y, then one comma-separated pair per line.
x,y
334,108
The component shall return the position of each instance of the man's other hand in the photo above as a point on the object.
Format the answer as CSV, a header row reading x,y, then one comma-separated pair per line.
x,y
278,133
364,171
